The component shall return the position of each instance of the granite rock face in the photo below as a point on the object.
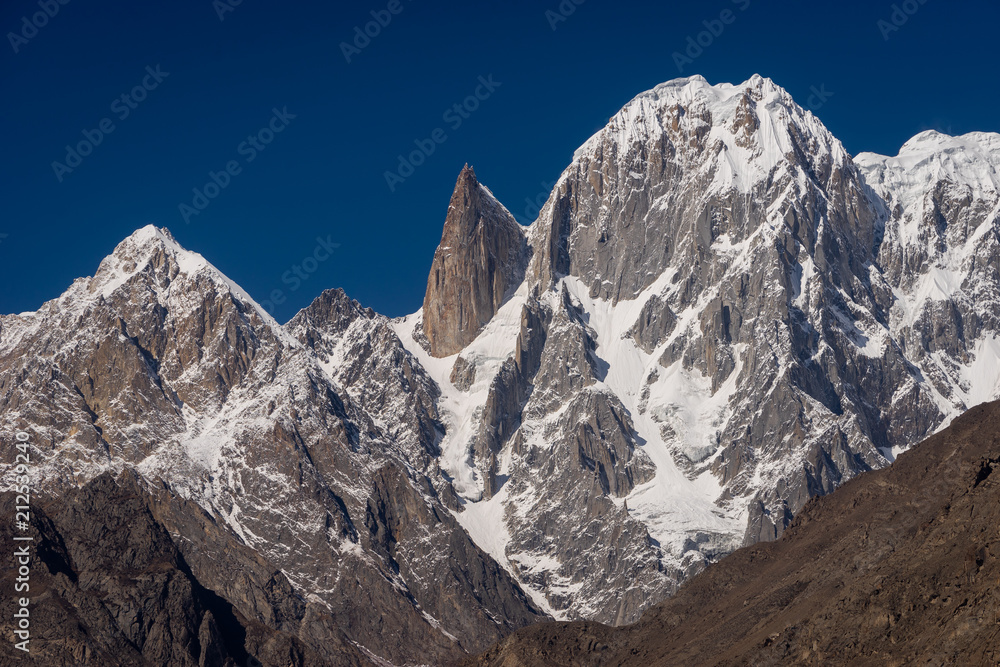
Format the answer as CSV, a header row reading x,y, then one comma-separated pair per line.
x,y
897,567
728,315
480,260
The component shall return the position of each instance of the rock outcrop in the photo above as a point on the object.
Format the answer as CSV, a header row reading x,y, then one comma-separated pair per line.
x,y
481,258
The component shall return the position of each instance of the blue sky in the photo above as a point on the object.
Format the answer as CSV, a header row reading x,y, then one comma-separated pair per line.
x,y
299,130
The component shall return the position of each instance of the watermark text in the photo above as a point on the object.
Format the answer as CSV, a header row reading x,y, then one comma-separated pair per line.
x,y
454,116
248,149
698,43
22,542
37,21
122,107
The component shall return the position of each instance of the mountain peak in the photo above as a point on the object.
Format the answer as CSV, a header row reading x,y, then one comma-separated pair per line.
x,y
151,232
154,253
479,260
144,248
748,130
970,160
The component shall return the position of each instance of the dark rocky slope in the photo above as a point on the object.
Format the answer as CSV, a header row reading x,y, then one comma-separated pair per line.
x,y
897,567
109,587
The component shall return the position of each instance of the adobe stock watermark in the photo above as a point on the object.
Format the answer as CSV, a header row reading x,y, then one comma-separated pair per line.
x,y
223,7
900,15
299,273
562,13
22,540
818,97
31,25
697,44
248,149
534,206
363,35
454,116
122,107
2,237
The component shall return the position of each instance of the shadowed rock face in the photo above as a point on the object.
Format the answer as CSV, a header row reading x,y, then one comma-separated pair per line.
x,y
898,566
481,258
108,586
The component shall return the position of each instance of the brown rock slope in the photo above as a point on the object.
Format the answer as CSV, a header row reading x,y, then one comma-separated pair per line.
x,y
897,567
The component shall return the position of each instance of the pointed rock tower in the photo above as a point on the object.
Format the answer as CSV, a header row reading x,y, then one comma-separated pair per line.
x,y
481,258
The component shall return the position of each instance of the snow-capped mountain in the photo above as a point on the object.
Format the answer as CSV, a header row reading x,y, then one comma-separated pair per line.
x,y
723,315
322,518
941,255
718,314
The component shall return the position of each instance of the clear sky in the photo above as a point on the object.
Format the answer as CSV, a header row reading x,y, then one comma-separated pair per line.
x,y
552,75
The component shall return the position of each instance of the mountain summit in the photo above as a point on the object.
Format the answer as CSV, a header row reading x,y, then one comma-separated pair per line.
x,y
480,259
723,315
717,315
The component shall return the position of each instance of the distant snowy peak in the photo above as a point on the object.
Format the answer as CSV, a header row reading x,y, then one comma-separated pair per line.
x,y
940,249
148,272
971,160
943,201
752,127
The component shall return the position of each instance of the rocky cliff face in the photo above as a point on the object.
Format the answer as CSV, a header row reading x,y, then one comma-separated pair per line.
x,y
110,587
941,257
724,314
479,261
717,315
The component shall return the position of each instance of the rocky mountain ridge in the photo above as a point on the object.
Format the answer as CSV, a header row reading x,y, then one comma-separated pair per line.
x,y
717,315
161,367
